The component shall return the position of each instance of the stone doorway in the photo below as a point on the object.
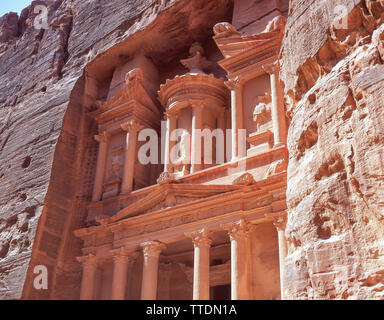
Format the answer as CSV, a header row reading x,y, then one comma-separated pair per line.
x,y
222,292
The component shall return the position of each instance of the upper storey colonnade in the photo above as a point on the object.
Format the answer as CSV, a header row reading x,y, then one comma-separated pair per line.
x,y
248,105
241,122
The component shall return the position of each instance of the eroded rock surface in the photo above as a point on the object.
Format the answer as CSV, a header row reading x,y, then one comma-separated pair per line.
x,y
334,85
47,86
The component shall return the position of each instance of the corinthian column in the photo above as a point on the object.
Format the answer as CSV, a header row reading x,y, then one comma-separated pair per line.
x,y
130,154
280,222
236,87
89,276
122,262
221,152
151,251
239,235
277,110
171,126
102,139
197,126
202,243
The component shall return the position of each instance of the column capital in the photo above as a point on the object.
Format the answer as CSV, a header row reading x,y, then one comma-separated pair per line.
x,y
234,83
132,126
152,248
123,255
202,238
88,260
102,137
238,229
271,68
172,115
197,104
279,220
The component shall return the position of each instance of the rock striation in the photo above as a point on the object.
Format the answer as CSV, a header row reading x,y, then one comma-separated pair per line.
x,y
48,81
54,80
332,67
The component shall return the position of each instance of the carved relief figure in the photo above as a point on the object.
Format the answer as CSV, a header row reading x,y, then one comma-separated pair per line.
x,y
116,167
262,110
182,163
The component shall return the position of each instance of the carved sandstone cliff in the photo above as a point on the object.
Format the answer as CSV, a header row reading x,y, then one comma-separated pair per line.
x,y
49,80
334,84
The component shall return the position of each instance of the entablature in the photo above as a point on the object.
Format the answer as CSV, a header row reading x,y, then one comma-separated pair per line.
x,y
170,223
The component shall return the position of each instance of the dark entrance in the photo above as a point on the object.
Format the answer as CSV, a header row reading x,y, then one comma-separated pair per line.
x,y
221,292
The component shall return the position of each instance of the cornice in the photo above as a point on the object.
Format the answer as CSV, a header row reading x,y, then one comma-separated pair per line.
x,y
188,84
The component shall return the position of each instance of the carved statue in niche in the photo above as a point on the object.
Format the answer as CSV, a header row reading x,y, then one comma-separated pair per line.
x,y
112,184
262,111
182,163
196,62
116,166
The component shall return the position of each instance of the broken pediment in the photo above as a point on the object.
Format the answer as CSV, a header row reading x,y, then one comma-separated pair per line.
x,y
243,53
232,43
132,99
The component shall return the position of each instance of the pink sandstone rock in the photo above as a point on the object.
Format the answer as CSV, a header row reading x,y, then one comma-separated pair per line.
x,y
294,211
334,80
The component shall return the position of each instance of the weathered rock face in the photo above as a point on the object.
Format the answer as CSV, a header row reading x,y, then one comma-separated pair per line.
x,y
334,84
332,65
49,80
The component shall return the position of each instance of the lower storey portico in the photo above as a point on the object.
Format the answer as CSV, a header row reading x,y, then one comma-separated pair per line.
x,y
236,260
188,239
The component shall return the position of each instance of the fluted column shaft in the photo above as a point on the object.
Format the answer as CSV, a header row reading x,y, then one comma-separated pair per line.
x,y
237,118
280,224
151,251
130,154
239,236
221,121
197,126
101,165
201,281
121,263
171,126
88,277
277,110
221,125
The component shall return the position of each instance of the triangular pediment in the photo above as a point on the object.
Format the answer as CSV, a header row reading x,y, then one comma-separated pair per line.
x,y
170,195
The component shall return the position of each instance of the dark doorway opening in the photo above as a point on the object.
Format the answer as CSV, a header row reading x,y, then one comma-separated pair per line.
x,y
221,292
